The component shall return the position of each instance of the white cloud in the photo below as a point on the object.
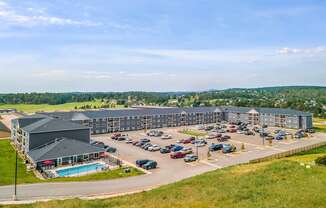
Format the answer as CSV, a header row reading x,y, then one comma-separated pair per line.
x,y
37,17
308,51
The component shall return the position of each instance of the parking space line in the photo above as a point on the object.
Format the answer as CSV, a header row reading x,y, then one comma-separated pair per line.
x,y
210,164
246,143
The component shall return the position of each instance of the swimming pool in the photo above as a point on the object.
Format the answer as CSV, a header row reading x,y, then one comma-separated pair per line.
x,y
79,169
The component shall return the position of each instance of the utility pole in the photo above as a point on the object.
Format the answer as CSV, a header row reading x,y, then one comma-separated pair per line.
x,y
196,144
15,192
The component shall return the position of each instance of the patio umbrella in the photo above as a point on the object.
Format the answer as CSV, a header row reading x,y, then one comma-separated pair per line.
x,y
47,162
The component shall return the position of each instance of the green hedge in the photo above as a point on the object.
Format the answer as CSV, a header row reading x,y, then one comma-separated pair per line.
x,y
321,160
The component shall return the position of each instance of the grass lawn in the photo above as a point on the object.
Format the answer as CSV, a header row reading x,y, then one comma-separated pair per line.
x,y
277,183
320,124
7,171
31,108
194,133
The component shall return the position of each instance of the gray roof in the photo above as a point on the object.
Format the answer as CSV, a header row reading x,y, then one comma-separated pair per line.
x,y
92,114
27,120
62,147
49,124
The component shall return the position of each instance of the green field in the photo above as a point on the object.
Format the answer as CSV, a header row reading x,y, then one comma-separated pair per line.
x,y
7,168
194,133
31,108
320,124
280,183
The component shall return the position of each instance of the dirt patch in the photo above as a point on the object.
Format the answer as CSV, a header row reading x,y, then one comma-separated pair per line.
x,y
4,134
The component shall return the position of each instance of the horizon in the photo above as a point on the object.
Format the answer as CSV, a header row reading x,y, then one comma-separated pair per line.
x,y
180,46
199,91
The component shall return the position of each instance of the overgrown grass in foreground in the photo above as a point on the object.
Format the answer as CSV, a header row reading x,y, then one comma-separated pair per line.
x,y
320,124
278,183
7,170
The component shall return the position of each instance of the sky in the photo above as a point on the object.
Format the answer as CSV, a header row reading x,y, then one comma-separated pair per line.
x,y
177,45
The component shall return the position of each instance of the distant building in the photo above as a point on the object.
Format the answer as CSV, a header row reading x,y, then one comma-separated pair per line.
x,y
106,121
8,110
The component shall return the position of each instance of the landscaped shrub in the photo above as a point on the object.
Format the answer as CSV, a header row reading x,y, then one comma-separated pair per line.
x,y
321,160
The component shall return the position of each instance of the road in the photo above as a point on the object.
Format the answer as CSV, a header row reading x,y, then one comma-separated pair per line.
x,y
169,171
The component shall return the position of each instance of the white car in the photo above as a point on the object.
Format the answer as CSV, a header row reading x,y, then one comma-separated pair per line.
x,y
166,136
128,141
200,144
154,147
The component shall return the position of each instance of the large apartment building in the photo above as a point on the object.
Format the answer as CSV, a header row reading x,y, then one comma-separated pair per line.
x,y
106,121
45,140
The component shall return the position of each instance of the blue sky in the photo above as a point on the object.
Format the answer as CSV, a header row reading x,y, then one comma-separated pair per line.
x,y
120,45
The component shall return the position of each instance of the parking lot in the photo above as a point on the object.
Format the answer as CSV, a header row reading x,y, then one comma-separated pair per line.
x,y
245,145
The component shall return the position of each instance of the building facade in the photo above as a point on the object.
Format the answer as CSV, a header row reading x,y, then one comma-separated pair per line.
x,y
107,121
48,141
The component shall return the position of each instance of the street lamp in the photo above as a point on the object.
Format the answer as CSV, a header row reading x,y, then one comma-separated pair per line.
x,y
14,197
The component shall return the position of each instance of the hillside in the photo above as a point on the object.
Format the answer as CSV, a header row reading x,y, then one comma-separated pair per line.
x,y
305,98
278,183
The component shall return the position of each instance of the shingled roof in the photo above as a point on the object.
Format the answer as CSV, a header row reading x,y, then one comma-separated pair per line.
x,y
93,114
62,147
50,124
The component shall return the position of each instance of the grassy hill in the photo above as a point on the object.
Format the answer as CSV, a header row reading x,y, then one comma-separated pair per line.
x,y
279,183
31,108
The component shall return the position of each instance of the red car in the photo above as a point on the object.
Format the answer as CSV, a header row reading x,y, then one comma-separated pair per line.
x,y
232,130
176,155
115,136
188,140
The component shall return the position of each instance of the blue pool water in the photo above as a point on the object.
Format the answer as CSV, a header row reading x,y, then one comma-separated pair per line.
x,y
79,169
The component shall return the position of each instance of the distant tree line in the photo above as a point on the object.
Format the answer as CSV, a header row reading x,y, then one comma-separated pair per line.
x,y
305,98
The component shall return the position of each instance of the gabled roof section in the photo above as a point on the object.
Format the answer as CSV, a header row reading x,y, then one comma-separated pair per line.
x,y
62,147
79,116
27,120
49,124
253,111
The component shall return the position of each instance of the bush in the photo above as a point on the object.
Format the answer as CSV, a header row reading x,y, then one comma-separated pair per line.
x,y
321,160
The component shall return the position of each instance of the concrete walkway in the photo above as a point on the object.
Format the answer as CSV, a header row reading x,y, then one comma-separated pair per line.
x,y
162,176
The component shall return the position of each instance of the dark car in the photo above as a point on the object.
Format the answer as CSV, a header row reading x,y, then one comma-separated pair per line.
x,y
250,133
140,163
215,147
228,148
145,140
269,137
121,138
264,134
150,165
165,150
111,149
176,148
223,138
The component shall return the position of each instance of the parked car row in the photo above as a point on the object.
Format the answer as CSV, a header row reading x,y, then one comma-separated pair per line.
x,y
107,148
226,148
146,164
154,133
